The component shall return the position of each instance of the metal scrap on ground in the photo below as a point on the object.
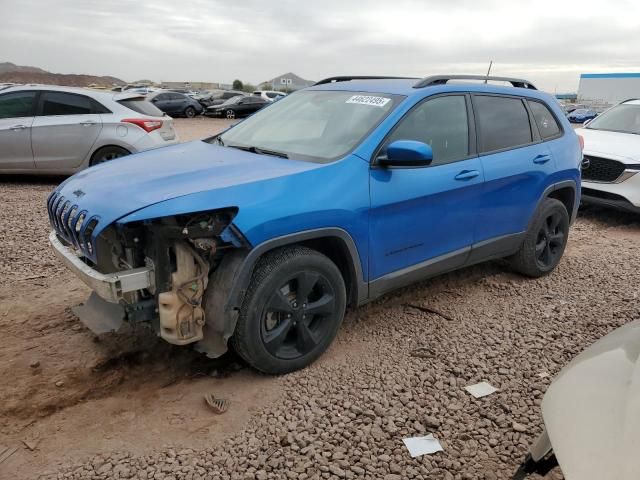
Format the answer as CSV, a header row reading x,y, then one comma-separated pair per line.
x,y
426,445
481,389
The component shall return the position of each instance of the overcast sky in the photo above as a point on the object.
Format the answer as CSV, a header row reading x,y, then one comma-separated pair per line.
x,y
548,42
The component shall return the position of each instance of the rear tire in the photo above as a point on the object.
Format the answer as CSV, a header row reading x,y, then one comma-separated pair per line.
x,y
544,242
292,311
190,112
105,154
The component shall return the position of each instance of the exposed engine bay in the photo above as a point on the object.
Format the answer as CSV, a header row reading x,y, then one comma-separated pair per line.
x,y
182,252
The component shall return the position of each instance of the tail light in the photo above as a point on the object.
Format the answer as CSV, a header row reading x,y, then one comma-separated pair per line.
x,y
146,125
581,139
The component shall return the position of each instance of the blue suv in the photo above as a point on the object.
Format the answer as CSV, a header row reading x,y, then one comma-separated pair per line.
x,y
263,235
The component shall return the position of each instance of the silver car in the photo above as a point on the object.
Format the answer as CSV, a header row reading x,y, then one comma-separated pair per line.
x,y
61,130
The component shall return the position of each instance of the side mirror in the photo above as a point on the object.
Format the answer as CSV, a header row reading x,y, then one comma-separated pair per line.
x,y
407,153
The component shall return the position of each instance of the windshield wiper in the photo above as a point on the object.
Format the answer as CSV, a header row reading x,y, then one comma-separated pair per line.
x,y
260,151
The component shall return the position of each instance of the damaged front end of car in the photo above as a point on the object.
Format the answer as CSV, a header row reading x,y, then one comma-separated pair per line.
x,y
151,272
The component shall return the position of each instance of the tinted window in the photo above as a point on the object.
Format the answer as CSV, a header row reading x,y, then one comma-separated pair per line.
x,y
177,96
546,122
441,123
99,108
140,105
60,103
17,104
163,97
503,123
272,95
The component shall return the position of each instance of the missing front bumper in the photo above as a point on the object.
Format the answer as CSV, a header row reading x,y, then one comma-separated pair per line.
x,y
111,286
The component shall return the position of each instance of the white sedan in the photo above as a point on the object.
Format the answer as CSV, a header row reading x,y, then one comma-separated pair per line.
x,y
611,165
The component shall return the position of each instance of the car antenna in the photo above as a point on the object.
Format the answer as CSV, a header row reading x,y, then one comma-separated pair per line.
x,y
488,71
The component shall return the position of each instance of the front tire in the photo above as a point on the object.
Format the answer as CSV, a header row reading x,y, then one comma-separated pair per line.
x,y
292,310
230,114
545,240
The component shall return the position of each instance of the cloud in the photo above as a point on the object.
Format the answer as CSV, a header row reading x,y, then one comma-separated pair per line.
x,y
219,40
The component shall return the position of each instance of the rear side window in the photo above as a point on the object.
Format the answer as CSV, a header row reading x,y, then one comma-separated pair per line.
x,y
60,103
546,122
440,122
17,104
99,108
503,122
140,105
272,95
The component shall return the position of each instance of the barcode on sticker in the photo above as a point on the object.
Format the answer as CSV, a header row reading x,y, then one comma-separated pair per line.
x,y
369,100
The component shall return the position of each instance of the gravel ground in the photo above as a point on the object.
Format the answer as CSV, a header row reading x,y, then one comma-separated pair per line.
x,y
345,416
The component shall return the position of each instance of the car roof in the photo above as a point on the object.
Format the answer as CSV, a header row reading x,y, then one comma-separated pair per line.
x,y
407,87
100,95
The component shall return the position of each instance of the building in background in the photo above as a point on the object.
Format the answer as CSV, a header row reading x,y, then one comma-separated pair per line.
x,y
288,81
608,88
195,85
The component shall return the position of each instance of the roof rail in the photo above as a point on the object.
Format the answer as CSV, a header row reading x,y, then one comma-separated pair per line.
x,y
442,79
347,78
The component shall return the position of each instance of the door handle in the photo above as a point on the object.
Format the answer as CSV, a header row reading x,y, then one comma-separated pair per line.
x,y
467,175
541,159
88,123
15,128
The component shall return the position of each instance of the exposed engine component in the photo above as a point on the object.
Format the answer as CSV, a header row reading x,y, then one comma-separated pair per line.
x,y
180,309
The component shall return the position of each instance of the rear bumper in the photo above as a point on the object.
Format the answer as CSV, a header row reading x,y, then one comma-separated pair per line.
x,y
111,286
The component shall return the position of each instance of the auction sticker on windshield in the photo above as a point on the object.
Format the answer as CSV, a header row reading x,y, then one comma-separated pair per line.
x,y
369,100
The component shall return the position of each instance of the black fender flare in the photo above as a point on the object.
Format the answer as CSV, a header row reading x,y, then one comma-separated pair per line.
x,y
229,283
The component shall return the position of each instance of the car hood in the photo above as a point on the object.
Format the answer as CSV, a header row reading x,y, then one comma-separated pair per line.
x,y
619,146
592,410
120,187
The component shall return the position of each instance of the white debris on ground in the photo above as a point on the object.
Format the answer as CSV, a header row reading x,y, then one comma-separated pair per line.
x,y
419,446
481,389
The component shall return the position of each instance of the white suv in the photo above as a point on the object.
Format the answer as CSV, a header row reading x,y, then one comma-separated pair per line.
x,y
611,165
60,130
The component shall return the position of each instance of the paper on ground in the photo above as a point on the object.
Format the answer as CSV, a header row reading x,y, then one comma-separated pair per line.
x,y
422,445
481,389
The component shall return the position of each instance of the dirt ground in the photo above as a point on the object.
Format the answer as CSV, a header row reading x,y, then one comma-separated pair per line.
x,y
130,406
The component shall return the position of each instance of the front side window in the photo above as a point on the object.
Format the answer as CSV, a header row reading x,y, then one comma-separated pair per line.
x,y
503,122
440,122
17,104
623,118
60,103
546,122
314,125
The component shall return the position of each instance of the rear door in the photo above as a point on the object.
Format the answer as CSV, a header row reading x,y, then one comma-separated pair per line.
x,y
516,165
17,111
64,130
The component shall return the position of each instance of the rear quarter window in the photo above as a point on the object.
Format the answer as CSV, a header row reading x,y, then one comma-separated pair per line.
x,y
545,120
503,122
140,105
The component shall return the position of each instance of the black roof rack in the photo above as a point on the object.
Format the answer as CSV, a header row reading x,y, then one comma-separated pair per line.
x,y
347,78
442,79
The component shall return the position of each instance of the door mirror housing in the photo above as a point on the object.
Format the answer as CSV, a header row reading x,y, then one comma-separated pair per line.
x,y
407,153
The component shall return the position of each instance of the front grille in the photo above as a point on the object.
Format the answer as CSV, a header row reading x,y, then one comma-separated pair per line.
x,y
602,169
72,224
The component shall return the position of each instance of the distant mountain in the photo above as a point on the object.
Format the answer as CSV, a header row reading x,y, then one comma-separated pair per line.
x,y
11,73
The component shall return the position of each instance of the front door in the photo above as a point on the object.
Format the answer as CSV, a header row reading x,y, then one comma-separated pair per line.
x,y
16,117
64,130
422,219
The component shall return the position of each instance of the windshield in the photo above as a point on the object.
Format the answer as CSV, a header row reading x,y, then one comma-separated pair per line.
x,y
623,118
316,126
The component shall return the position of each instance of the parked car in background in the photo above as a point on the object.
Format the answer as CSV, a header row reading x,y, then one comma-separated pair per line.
x,y
611,166
217,97
591,414
61,130
262,235
175,104
184,91
582,115
570,107
269,95
237,107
